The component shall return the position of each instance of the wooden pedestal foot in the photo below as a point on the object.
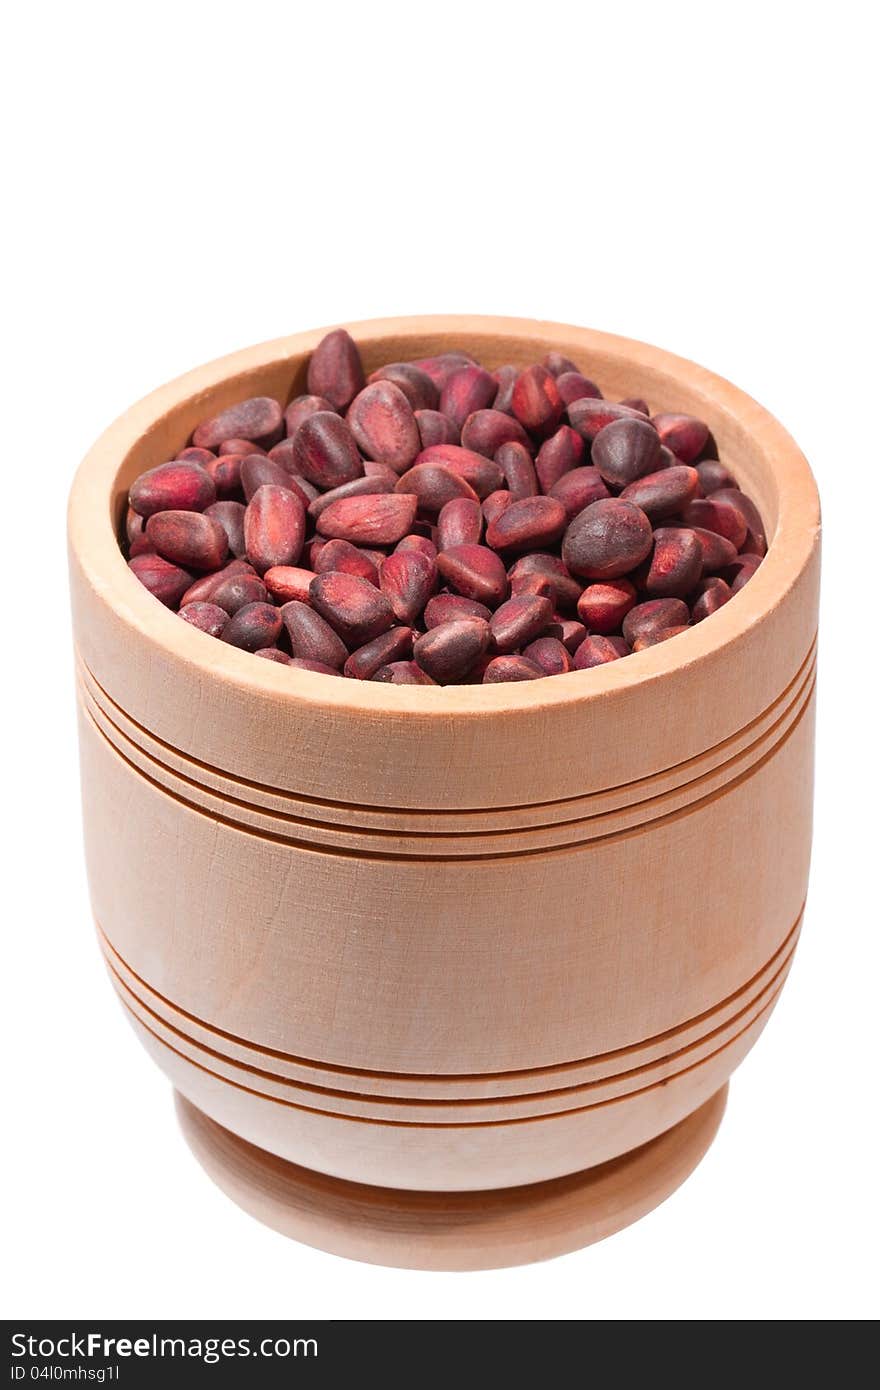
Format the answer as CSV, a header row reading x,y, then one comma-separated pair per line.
x,y
450,1230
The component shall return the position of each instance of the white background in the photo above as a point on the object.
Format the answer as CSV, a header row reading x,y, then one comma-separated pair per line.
x,y
184,179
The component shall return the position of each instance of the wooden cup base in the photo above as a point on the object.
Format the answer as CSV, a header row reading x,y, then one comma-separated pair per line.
x,y
450,1230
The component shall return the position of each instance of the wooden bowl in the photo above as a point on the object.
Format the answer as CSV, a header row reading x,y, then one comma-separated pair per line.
x,y
400,948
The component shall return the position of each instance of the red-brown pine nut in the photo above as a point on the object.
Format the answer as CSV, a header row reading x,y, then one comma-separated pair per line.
x,y
516,463
607,540
676,563
376,520
536,401
495,504
408,580
448,652
253,626
534,586
225,474
460,523
402,673
230,515
476,673
533,523
189,539
238,590
295,481
300,408
756,539
382,421
603,607
372,486
259,469
511,668
207,617
335,370
435,428
446,608
273,654
274,527
506,378
421,392
651,639
374,469
476,572
626,450
550,567
202,590
166,582
415,542
664,493
715,516
325,451
598,651
440,367
571,632
683,434
551,654
240,446
201,456
717,550
709,595
287,583
560,453
434,486
557,363
304,664
573,386
371,467
347,559
136,534
587,416
134,525
579,488
652,616
185,487
465,391
740,571
388,647
485,431
353,607
282,453
311,637
518,621
483,475
258,420
713,475
305,491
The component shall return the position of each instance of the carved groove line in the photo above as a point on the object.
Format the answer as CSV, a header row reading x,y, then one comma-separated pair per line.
x,y
241,785
767,994
340,851
208,799
473,1124
775,963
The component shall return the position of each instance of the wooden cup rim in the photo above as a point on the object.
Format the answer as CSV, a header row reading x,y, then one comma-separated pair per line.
x,y
774,458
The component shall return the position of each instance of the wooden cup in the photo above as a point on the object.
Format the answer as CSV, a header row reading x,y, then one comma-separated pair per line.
x,y
448,977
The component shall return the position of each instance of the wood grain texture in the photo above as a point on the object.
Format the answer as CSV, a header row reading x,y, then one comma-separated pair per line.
x,y
485,964
448,939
